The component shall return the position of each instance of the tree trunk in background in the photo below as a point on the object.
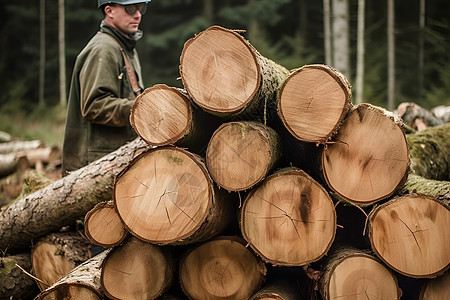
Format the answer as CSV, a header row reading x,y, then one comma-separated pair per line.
x,y
391,54
42,53
222,268
64,201
286,210
341,32
62,53
83,282
327,32
412,226
360,53
14,283
355,274
137,270
421,46
208,11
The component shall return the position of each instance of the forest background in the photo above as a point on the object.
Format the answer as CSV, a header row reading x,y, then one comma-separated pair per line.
x,y
290,32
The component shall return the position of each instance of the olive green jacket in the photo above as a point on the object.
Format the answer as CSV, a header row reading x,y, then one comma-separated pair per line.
x,y
100,99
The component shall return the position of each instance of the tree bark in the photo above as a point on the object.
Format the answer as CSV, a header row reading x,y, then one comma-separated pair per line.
x,y
369,159
55,255
434,188
430,152
225,75
240,154
409,233
164,115
221,268
417,117
64,201
341,36
14,283
103,227
283,215
166,196
355,274
16,146
10,163
136,270
83,282
313,102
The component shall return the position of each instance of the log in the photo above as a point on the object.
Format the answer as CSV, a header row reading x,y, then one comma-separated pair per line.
x,y
16,146
240,154
369,160
164,115
5,137
225,75
10,163
409,233
430,152
43,155
416,116
442,112
136,270
55,255
64,201
436,288
14,283
166,196
434,188
83,282
103,227
221,268
289,219
313,102
356,274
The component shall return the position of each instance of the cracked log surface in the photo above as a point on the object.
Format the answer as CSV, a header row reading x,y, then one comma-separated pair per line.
x,y
354,274
410,234
289,219
225,75
64,201
368,160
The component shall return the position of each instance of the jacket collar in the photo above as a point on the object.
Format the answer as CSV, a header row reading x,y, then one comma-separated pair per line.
x,y
128,43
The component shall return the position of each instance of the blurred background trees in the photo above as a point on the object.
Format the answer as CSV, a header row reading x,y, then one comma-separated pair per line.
x,y
290,32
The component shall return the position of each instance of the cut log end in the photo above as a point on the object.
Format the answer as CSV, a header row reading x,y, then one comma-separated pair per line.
x,y
289,219
221,269
161,115
219,70
412,226
240,154
313,102
369,160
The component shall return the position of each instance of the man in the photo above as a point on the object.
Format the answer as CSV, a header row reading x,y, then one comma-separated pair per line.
x,y
103,89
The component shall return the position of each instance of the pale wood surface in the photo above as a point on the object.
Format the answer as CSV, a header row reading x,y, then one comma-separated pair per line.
x,y
369,159
437,288
136,270
289,219
410,234
221,269
313,101
240,154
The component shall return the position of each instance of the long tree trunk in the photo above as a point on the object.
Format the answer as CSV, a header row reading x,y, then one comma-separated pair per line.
x,y
166,196
327,32
369,160
83,282
62,53
410,234
360,53
136,270
240,154
341,39
64,201
430,152
355,274
391,55
225,75
313,102
221,268
281,217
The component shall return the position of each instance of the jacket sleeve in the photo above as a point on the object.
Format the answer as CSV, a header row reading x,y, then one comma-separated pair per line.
x,y
102,88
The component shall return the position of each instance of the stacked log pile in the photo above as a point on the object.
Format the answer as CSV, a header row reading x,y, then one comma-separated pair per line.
x,y
253,182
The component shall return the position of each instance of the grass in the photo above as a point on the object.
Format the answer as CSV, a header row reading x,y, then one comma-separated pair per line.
x,y
43,123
